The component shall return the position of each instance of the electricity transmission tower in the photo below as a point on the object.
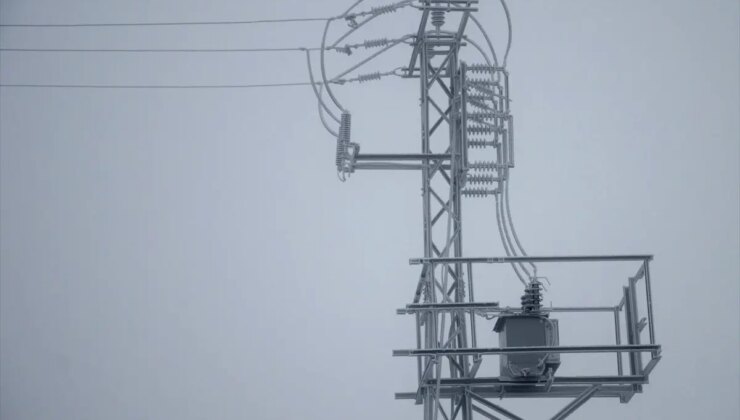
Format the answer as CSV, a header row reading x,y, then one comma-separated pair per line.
x,y
465,115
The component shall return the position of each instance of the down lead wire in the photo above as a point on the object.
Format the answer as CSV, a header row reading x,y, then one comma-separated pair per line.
x,y
504,205
502,221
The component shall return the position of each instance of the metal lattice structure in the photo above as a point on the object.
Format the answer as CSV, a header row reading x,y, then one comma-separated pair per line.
x,y
465,111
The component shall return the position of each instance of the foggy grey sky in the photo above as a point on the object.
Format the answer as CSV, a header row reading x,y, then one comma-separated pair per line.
x,y
191,254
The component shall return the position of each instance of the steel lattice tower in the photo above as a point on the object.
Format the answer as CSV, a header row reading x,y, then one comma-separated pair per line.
x,y
465,109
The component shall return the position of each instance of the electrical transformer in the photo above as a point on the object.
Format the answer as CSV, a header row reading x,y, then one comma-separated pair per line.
x,y
530,328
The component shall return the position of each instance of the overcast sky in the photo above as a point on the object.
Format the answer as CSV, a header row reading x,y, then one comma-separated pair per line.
x,y
190,254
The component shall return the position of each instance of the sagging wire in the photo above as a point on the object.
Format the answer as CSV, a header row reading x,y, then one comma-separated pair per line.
x,y
513,230
123,24
488,39
503,210
504,242
485,36
323,67
183,86
320,105
500,214
319,96
508,23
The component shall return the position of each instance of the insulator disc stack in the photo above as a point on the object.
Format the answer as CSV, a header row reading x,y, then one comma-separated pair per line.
x,y
481,68
438,18
477,143
532,298
477,192
343,139
482,166
481,179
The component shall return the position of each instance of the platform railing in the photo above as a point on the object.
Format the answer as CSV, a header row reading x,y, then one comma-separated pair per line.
x,y
622,385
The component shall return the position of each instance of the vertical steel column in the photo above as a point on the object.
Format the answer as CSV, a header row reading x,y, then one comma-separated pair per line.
x,y
429,327
618,339
438,69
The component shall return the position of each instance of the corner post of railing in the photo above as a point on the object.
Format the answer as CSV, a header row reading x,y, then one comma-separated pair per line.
x,y
618,339
649,297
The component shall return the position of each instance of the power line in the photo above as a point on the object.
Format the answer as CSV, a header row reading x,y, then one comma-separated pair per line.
x,y
157,50
191,23
337,81
90,86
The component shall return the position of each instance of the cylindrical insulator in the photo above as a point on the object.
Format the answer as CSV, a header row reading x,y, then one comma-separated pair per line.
x,y
480,143
370,76
481,179
345,50
373,43
477,97
341,153
380,10
486,115
478,81
438,18
482,166
482,68
481,129
345,126
460,289
477,192
532,298
478,103
486,89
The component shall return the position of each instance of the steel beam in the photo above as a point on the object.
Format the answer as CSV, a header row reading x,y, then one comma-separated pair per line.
x,y
636,348
558,380
505,260
503,391
401,156
492,307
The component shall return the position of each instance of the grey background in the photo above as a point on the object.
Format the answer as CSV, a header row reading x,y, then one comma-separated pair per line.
x,y
191,255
